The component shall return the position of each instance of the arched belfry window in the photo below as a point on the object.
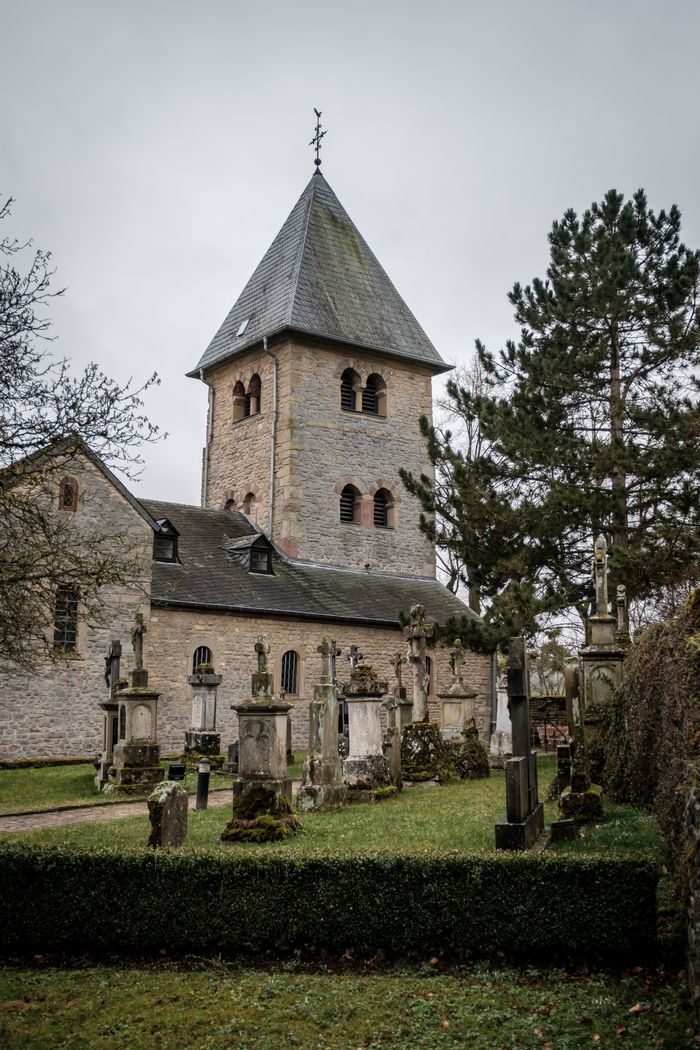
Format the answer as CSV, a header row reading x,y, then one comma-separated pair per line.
x,y
252,398
239,398
374,396
201,655
383,509
349,504
290,673
68,494
349,381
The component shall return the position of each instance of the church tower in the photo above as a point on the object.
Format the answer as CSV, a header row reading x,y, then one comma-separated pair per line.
x,y
317,379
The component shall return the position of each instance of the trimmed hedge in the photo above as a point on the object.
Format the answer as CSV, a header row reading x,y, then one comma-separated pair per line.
x,y
69,899
41,763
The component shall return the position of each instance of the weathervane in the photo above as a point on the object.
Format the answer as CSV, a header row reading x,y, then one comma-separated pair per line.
x,y
316,140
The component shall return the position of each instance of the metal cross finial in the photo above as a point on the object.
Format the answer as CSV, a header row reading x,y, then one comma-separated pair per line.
x,y
316,140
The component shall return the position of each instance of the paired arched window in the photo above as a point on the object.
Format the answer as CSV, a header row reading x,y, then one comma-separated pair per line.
x,y
290,673
68,494
248,506
201,655
383,509
65,619
247,402
370,400
349,504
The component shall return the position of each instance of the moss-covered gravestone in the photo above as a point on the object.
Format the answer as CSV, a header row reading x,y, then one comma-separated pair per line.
x,y
366,767
167,810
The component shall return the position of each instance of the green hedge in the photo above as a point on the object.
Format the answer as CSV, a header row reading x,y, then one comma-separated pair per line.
x,y
69,899
41,763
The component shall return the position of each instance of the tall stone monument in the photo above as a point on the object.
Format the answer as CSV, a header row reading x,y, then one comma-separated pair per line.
x,y
458,702
366,766
416,634
524,819
602,658
501,746
201,738
579,799
110,713
136,757
321,785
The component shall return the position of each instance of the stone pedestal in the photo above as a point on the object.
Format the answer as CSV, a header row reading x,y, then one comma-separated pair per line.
x,y
501,746
136,760
365,768
457,709
321,785
262,743
202,738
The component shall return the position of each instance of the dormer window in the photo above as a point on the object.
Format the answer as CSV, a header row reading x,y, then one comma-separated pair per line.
x,y
165,542
261,560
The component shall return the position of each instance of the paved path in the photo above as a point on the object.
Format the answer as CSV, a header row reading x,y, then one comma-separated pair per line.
x,y
110,811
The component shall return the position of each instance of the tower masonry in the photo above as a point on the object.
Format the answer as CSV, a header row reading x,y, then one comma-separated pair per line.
x,y
317,380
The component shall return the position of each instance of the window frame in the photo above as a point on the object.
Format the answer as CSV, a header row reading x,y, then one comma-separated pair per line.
x,y
295,671
66,619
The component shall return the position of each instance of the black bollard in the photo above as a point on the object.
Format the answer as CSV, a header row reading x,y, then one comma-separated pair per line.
x,y
203,784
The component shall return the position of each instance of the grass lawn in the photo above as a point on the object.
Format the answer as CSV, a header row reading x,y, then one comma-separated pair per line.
x,y
441,818
479,1007
46,787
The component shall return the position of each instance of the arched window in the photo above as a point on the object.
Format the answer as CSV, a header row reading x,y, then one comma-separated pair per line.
x,y
239,400
349,382
349,504
252,398
383,509
429,674
68,494
201,655
374,396
65,619
230,504
248,505
290,673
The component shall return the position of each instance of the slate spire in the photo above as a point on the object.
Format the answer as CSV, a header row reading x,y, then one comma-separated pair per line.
x,y
319,277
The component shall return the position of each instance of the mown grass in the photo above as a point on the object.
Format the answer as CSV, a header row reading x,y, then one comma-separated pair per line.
x,y
46,787
481,1007
435,818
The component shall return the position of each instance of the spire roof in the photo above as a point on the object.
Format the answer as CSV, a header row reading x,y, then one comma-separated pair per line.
x,y
320,277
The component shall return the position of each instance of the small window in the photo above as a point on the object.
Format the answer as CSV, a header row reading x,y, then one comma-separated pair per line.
x,y
261,561
202,655
290,673
374,396
65,620
349,504
165,548
348,384
248,507
230,504
68,494
383,509
429,674
238,401
251,403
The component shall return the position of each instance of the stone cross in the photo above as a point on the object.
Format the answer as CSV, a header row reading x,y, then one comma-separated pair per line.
x,y
397,661
457,654
262,648
326,649
137,633
112,664
335,653
415,634
600,575
354,656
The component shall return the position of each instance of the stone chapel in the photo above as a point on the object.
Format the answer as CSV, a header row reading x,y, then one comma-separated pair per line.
x,y
317,379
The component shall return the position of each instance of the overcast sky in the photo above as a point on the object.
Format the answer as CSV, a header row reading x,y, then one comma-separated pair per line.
x,y
157,147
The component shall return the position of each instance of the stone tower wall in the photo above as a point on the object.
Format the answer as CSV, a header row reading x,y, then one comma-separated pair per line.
x,y
320,448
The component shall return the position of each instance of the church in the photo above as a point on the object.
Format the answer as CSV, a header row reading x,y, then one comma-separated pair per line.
x,y
317,379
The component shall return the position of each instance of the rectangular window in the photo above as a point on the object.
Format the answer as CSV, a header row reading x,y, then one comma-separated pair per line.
x,y
65,620
261,561
165,548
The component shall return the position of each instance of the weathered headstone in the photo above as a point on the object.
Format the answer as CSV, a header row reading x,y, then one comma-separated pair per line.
x,y
458,702
602,659
167,811
501,746
416,634
110,717
579,800
365,768
202,738
524,819
321,786
136,758
403,707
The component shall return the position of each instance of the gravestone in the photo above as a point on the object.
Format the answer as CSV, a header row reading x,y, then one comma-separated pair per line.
x,y
201,738
110,717
321,785
501,746
579,800
136,757
167,811
416,634
524,819
262,793
365,768
602,658
458,702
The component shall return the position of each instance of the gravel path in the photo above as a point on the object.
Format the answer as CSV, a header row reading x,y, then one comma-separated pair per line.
x,y
54,818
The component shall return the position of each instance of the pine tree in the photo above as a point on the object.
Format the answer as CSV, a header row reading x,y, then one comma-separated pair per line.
x,y
591,417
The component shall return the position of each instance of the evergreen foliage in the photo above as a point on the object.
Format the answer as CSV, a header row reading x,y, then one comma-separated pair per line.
x,y
590,424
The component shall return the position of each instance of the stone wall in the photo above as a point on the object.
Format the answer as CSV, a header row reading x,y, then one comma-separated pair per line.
x,y
55,712
319,449
175,634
